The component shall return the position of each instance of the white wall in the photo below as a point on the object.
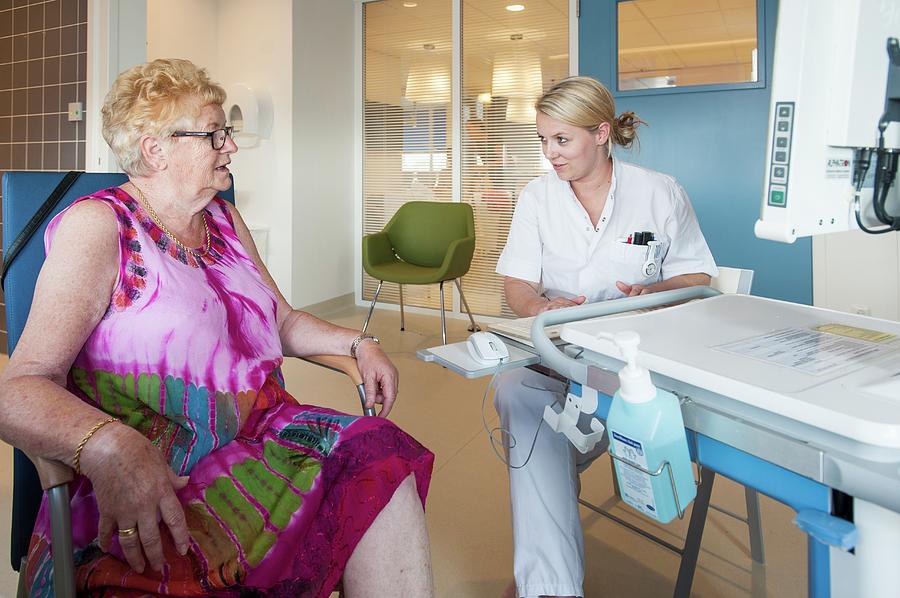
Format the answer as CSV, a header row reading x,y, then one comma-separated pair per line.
x,y
858,273
239,42
117,40
323,157
178,29
298,184
254,47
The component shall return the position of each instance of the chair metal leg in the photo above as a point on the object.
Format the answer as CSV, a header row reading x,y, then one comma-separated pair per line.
x,y
21,589
372,307
402,324
443,319
361,389
474,327
754,523
61,536
691,550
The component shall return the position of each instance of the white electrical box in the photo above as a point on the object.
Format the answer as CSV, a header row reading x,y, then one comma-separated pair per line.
x,y
828,94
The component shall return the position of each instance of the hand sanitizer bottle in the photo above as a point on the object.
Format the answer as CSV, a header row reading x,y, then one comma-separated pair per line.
x,y
646,428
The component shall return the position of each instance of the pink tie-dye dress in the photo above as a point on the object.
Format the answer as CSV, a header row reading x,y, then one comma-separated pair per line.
x,y
188,353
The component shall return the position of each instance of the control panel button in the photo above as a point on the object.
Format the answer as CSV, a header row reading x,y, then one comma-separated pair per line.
x,y
783,125
781,156
784,111
781,141
776,196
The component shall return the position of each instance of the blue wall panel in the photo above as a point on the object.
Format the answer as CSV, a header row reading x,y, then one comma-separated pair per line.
x,y
714,143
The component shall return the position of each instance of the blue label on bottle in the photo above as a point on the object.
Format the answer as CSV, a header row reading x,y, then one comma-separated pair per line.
x,y
635,486
632,443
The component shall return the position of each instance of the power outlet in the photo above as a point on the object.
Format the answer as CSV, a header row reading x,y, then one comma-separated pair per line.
x,y
862,310
76,111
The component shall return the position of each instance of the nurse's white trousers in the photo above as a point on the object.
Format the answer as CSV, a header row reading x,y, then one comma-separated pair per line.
x,y
547,539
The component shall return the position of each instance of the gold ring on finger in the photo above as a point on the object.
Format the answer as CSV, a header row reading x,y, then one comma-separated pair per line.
x,y
128,532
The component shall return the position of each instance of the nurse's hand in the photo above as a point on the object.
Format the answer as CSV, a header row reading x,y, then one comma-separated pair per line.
x,y
560,302
632,290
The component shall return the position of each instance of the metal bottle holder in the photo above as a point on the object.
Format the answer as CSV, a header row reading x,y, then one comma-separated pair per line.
x,y
665,465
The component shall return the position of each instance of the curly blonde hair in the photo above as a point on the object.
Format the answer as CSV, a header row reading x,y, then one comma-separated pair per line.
x,y
156,98
585,102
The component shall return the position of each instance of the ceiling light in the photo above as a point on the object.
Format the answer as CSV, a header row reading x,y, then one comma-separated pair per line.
x,y
520,110
517,74
515,7
410,4
428,83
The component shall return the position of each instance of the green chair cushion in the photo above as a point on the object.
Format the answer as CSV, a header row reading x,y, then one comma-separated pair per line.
x,y
424,243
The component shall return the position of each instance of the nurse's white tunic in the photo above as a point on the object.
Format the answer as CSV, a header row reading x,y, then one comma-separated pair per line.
x,y
553,242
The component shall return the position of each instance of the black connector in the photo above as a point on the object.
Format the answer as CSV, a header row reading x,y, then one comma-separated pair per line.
x,y
861,163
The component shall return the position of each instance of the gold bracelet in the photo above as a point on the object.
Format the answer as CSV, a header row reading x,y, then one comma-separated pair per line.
x,y
76,459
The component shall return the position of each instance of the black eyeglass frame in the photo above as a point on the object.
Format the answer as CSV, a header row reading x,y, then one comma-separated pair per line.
x,y
229,132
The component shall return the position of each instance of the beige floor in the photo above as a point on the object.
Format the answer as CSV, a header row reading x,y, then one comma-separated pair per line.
x,y
468,506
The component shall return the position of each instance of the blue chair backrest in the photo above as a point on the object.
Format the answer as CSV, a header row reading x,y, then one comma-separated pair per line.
x,y
23,195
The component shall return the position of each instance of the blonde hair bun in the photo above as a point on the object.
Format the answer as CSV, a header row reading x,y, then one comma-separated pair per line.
x,y
585,102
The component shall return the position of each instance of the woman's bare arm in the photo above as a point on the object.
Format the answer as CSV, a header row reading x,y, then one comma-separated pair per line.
x,y
523,297
303,334
676,282
37,413
133,484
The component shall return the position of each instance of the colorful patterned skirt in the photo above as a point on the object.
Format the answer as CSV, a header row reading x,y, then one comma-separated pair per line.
x,y
276,512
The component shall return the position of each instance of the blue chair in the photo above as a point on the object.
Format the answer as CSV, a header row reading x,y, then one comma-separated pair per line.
x,y
23,195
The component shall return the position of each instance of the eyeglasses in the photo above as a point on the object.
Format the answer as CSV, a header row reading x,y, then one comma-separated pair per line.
x,y
216,138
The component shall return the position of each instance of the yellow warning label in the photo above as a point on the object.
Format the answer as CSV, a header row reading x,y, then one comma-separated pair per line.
x,y
863,334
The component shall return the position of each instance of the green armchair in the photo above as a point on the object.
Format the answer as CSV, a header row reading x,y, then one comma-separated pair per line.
x,y
426,242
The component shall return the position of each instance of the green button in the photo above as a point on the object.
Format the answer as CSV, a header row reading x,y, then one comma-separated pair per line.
x,y
776,198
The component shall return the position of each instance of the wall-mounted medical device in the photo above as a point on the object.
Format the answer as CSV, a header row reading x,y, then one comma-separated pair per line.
x,y
249,111
834,134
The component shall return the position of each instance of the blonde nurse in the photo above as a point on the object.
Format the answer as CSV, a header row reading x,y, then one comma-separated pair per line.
x,y
595,228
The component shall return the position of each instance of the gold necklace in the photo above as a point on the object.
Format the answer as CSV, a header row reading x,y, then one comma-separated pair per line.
x,y
169,234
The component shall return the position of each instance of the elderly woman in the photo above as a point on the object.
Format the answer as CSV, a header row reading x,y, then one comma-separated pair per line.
x,y
150,365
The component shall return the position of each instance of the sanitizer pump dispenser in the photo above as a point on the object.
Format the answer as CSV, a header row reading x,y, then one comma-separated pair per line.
x,y
646,429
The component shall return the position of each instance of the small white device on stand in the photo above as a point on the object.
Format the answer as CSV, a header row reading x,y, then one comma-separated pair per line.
x,y
486,347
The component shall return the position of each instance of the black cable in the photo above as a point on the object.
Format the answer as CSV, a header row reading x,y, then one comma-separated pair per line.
x,y
861,168
889,172
862,227
885,172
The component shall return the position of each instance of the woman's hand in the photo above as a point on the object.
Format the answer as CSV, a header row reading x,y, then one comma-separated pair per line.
x,y
560,302
135,488
633,290
676,282
379,376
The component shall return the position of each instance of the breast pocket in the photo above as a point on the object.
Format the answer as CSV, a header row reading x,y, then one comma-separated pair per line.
x,y
634,263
